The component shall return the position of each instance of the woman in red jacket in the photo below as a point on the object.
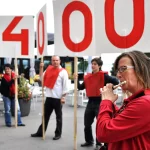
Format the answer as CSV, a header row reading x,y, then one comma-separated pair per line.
x,y
127,128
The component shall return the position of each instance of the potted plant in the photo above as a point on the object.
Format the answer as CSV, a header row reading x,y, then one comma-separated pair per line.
x,y
24,96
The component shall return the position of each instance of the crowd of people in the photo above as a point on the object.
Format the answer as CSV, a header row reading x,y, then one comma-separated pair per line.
x,y
124,128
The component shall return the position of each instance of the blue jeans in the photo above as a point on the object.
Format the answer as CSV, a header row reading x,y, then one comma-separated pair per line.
x,y
8,105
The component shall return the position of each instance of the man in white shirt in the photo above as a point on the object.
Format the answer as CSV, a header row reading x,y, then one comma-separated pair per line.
x,y
55,79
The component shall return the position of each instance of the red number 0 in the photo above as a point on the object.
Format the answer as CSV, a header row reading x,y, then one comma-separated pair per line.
x,y
138,27
22,37
74,6
41,48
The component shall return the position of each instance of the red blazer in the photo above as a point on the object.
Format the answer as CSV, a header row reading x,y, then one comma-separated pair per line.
x,y
129,128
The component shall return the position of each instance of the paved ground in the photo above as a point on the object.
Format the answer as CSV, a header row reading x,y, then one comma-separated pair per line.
x,y
19,138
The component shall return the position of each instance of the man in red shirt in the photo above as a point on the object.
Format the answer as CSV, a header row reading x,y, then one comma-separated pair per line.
x,y
92,83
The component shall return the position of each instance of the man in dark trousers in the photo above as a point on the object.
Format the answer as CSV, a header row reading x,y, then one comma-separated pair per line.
x,y
92,83
56,83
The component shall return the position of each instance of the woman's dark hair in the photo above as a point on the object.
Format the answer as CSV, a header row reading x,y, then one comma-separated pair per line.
x,y
141,65
8,65
98,61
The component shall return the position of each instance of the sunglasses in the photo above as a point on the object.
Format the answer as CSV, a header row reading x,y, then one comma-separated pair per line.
x,y
124,68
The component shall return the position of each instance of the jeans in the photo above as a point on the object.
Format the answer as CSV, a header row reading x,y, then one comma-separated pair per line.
x,y
8,105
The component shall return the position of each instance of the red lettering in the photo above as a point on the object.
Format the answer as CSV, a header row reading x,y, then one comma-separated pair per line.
x,y
138,27
21,37
83,8
41,18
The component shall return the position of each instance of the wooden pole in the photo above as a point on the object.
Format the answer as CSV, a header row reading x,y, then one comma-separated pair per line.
x,y
43,119
16,95
75,102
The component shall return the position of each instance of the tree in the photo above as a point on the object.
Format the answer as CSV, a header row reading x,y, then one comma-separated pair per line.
x,y
82,66
113,72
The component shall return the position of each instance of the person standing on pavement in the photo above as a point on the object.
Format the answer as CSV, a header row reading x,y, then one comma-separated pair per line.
x,y
8,92
92,83
56,83
127,128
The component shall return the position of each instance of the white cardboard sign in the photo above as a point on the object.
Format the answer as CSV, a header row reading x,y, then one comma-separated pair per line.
x,y
41,35
73,34
101,26
17,36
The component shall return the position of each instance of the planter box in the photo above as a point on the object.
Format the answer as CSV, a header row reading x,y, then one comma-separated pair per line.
x,y
24,107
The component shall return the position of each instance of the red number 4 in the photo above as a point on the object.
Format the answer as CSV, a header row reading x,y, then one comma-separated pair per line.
x,y
22,37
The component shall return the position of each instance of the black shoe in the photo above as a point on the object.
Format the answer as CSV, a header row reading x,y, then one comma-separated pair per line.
x,y
56,137
8,125
103,147
86,144
21,125
98,146
36,135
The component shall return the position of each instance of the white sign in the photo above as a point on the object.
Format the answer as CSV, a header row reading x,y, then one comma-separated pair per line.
x,y
74,28
17,31
41,35
117,25
122,25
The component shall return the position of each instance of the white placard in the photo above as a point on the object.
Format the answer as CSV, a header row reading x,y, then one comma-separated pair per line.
x,y
74,27
117,26
17,31
131,25
41,36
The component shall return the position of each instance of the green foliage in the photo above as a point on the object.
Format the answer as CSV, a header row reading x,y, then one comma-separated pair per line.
x,y
82,66
23,89
113,73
